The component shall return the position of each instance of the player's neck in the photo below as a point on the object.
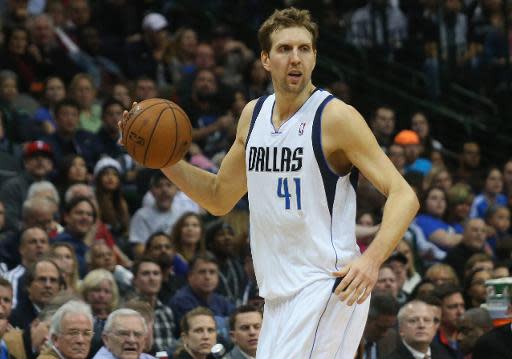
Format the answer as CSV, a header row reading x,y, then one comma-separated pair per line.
x,y
287,104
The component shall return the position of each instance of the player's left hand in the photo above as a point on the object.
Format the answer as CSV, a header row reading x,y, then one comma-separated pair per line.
x,y
359,278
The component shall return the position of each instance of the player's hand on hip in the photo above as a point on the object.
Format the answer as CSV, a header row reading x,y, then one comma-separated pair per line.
x,y
359,278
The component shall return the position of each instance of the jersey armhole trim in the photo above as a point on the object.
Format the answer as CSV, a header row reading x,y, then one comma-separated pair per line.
x,y
255,113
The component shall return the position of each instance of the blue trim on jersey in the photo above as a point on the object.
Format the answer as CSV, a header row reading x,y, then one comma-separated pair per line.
x,y
354,177
328,176
255,113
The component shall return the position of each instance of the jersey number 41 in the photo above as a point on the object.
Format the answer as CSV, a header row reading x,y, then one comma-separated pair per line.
x,y
284,192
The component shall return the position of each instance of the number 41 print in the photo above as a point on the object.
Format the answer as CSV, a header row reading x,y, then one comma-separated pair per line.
x,y
284,192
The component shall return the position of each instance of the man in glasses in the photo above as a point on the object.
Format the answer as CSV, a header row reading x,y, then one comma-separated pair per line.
x,y
417,330
70,331
124,336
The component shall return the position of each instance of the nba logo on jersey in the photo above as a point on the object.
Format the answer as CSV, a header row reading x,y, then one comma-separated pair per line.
x,y
301,128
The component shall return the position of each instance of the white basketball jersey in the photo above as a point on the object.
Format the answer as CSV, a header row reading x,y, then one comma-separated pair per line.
x,y
302,214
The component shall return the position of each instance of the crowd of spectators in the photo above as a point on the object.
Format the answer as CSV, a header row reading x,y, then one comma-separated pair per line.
x,y
81,222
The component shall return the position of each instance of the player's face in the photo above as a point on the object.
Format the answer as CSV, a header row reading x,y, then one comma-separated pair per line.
x,y
247,330
291,59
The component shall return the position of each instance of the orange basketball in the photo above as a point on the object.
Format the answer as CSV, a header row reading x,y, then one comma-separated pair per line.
x,y
157,133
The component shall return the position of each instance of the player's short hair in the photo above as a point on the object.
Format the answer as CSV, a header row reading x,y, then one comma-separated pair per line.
x,y
185,321
248,308
383,304
286,18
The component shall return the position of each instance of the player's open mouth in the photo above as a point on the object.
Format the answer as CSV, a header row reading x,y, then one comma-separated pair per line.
x,y
294,74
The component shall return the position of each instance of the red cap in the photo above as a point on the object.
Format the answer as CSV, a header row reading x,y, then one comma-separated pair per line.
x,y
37,147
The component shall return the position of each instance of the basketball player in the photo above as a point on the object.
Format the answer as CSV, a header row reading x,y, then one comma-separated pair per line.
x,y
296,154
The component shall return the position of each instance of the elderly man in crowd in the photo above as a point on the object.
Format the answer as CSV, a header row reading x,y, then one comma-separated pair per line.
x,y
124,336
71,331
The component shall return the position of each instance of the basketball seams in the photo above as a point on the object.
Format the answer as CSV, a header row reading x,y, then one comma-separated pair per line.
x,y
152,133
127,131
171,155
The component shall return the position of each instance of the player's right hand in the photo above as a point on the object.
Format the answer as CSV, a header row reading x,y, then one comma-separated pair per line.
x,y
120,124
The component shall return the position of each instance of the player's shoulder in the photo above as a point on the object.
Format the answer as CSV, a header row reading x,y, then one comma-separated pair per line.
x,y
245,119
337,111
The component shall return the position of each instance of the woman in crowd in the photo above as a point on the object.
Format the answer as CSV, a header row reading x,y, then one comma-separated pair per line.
x,y
497,219
64,256
72,170
198,335
83,91
113,208
54,90
491,195
188,235
460,198
474,288
413,277
432,222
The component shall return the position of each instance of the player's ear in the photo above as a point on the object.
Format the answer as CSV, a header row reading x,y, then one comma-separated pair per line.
x,y
265,60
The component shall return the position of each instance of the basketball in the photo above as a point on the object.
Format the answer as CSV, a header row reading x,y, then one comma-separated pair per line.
x,y
157,133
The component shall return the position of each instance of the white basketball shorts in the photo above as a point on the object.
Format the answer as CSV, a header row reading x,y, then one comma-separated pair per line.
x,y
313,324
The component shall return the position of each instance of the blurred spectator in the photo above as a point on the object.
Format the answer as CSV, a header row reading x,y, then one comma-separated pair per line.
x,y
420,124
198,334
54,91
380,336
72,170
161,249
257,81
68,138
233,56
108,134
15,13
10,153
160,217
398,264
250,293
501,270
113,207
79,15
33,246
472,325
37,158
479,261
439,177
220,240
203,280
17,123
24,59
124,336
382,124
473,241
188,236
71,331
342,90
245,325
460,198
412,150
101,256
83,91
44,36
182,62
431,221
63,254
452,306
423,289
417,329
413,277
441,274
497,219
474,287
396,154
208,109
491,193
469,170
99,290
43,281
121,93
80,216
147,281
145,88
507,177
495,343
386,282
378,24
148,56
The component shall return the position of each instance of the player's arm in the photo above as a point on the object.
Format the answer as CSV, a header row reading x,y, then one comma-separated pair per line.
x,y
346,136
217,193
